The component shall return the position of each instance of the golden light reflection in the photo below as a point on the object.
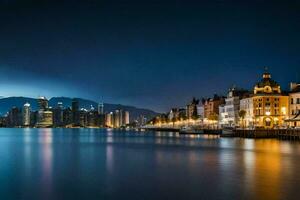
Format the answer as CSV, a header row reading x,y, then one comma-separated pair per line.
x,y
263,168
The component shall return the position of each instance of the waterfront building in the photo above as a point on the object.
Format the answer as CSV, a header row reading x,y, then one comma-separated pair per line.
x,y
200,110
109,120
116,118
269,103
82,118
58,115
92,118
229,112
33,118
44,118
67,117
126,120
119,118
26,114
44,115
15,117
142,120
75,112
3,121
173,114
191,109
294,105
42,103
100,108
211,106
246,104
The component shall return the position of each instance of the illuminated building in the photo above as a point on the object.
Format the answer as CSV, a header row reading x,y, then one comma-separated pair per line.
x,y
26,114
116,118
92,118
229,112
101,108
269,104
58,115
294,105
211,106
246,104
109,120
126,118
44,118
44,115
42,103
191,109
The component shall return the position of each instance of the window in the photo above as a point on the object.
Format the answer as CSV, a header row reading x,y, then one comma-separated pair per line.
x,y
298,100
292,101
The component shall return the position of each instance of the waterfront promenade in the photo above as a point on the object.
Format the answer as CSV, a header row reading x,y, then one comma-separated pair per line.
x,y
286,134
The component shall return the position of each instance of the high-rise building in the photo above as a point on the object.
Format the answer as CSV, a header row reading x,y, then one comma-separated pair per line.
x,y
116,118
14,117
119,118
67,117
75,112
58,115
82,117
126,118
109,121
26,114
44,118
42,103
101,108
44,115
92,118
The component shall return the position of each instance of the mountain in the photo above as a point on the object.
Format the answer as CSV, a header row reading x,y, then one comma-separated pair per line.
x,y
7,103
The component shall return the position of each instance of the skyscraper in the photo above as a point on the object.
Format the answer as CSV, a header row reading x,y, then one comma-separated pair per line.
x,y
109,120
26,114
44,115
75,112
100,108
58,117
42,103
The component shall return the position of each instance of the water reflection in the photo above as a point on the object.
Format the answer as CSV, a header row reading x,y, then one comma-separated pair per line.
x,y
27,151
46,138
80,162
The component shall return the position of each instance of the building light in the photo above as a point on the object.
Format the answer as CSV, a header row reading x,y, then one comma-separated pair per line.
x,y
268,113
283,110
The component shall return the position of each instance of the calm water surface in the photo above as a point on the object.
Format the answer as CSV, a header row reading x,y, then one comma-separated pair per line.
x,y
101,164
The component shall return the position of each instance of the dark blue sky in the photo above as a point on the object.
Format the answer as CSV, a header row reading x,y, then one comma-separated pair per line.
x,y
145,53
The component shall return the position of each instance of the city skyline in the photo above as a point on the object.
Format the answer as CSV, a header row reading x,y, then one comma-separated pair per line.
x,y
122,53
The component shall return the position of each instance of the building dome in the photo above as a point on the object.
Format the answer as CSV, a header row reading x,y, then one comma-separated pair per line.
x,y
267,85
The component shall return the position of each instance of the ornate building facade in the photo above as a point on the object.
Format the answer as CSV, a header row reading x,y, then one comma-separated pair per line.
x,y
269,103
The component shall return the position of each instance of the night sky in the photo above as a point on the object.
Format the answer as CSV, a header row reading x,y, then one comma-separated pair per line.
x,y
145,53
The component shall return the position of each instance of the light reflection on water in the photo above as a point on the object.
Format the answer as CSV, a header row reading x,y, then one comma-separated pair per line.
x,y
95,163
